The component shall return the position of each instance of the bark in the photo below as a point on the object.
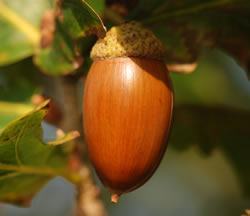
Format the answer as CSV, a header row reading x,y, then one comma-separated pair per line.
x,y
66,92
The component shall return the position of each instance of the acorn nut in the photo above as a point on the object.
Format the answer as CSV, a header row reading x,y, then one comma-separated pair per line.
x,y
127,107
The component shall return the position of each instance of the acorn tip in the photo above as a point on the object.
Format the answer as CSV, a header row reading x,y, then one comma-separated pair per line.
x,y
115,198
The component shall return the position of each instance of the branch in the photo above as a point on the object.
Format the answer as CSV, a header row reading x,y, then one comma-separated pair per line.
x,y
88,199
88,202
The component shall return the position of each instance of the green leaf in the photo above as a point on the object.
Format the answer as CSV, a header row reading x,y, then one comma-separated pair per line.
x,y
60,57
215,127
26,162
60,51
19,81
80,18
15,46
10,111
50,31
19,32
98,5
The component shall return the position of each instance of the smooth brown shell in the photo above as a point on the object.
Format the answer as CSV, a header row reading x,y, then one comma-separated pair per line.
x,y
128,106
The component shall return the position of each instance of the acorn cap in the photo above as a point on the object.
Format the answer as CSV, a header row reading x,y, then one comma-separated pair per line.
x,y
129,39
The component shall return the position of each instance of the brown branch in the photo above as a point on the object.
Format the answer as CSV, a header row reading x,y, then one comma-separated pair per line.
x,y
88,201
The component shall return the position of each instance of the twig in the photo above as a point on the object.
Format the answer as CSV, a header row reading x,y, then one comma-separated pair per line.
x,y
88,202
88,199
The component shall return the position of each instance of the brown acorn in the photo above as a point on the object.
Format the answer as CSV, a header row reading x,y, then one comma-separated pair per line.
x,y
128,102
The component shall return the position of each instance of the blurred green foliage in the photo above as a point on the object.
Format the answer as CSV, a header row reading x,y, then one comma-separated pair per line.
x,y
26,163
212,103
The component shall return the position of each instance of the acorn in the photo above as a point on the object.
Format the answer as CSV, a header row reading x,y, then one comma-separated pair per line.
x,y
127,107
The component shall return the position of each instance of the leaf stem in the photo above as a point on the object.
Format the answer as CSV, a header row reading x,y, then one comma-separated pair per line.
x,y
30,170
185,11
42,171
21,24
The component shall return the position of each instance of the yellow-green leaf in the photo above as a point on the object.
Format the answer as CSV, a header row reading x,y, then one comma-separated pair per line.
x,y
26,162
